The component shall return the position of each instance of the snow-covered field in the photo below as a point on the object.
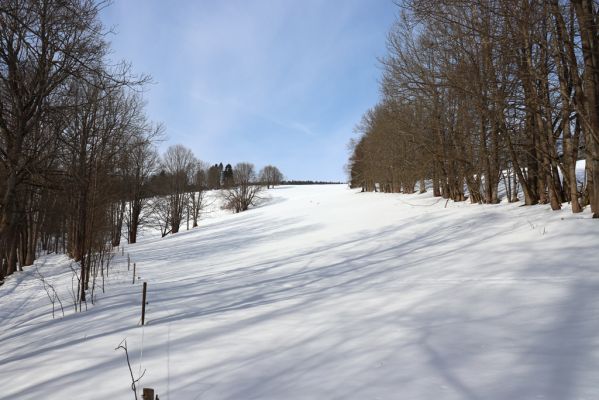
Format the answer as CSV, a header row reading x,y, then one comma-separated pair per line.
x,y
327,293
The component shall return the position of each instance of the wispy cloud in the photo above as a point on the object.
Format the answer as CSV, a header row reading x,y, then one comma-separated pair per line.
x,y
264,81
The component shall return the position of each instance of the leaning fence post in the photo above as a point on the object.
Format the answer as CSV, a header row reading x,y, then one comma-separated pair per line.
x,y
133,273
143,304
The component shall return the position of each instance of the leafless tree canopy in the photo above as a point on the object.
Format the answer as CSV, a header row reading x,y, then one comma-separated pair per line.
x,y
245,191
74,137
479,92
270,176
179,164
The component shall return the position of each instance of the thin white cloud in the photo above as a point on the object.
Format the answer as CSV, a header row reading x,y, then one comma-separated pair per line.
x,y
234,74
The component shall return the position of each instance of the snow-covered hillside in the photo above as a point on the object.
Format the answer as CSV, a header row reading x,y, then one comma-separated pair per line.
x,y
327,293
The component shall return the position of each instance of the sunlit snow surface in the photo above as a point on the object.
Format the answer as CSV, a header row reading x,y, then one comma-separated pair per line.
x,y
326,293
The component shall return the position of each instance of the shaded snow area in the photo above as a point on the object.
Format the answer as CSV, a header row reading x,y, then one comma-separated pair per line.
x,y
327,293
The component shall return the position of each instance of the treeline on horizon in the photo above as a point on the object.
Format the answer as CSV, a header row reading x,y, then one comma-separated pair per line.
x,y
474,93
309,182
79,167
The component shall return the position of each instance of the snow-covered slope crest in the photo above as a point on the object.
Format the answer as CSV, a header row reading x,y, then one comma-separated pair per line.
x,y
327,293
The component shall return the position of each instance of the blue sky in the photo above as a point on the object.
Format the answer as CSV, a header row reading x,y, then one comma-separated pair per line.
x,y
279,82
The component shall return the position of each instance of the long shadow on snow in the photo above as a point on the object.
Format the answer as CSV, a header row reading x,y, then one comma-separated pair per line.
x,y
231,235
320,279
268,290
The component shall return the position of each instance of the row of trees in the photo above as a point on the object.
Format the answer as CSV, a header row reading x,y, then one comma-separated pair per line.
x,y
219,177
478,92
74,138
179,187
79,169
308,182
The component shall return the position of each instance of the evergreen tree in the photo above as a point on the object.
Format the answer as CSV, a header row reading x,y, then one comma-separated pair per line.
x,y
228,179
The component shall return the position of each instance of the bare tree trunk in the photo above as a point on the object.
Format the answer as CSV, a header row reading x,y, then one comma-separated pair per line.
x,y
587,20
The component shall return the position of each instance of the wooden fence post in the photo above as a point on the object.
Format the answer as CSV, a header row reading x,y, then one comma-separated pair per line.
x,y
133,273
143,304
148,394
128,261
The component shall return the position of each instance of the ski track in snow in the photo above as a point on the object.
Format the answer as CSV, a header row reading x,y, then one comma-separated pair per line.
x,y
326,293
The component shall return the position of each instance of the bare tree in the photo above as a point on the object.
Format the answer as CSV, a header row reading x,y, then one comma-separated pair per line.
x,y
178,163
143,162
197,195
271,176
245,191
